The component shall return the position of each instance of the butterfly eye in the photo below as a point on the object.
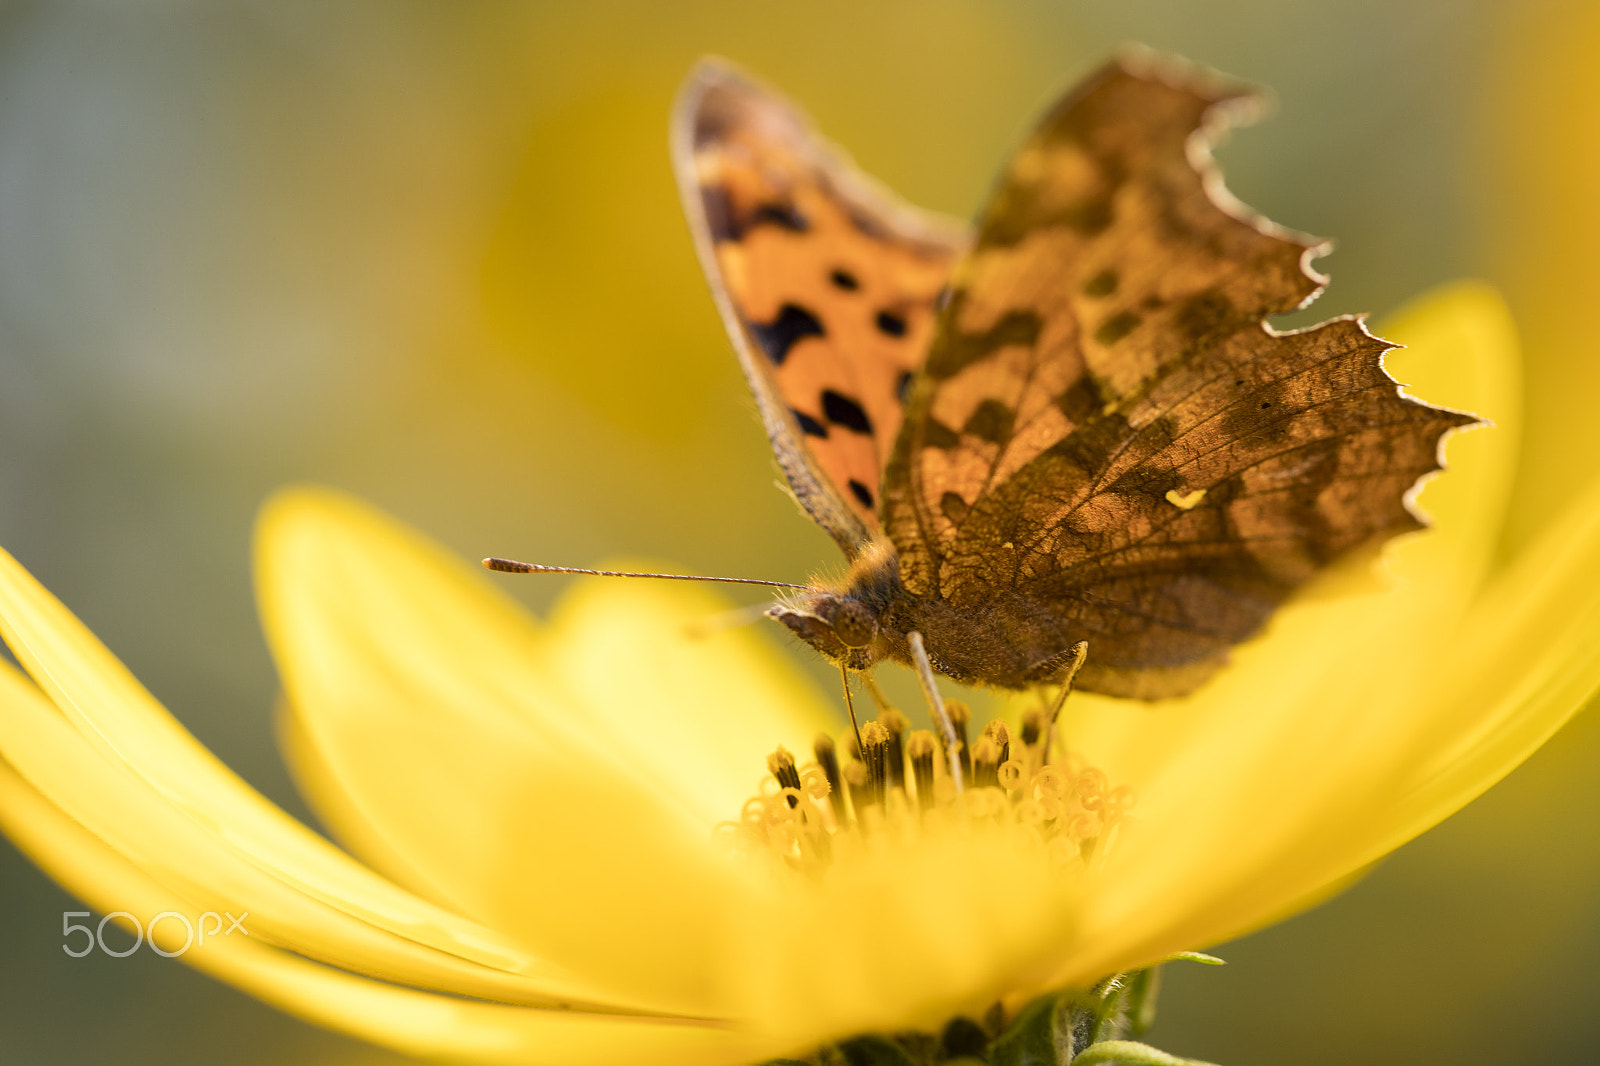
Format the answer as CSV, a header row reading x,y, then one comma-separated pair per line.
x,y
854,624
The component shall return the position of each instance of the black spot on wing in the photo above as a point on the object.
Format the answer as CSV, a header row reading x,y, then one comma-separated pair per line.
x,y
891,323
935,434
783,215
953,507
1016,213
1082,401
810,426
784,332
718,207
845,280
1205,315
1102,284
861,492
991,421
726,223
1117,327
953,350
841,410
1089,216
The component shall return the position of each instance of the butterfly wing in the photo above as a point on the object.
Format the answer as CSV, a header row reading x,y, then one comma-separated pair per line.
x,y
826,283
1108,443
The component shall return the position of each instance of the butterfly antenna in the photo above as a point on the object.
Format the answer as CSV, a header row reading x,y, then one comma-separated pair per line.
x,y
1079,652
512,566
850,706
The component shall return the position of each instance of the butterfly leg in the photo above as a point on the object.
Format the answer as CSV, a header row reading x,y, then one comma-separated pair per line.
x,y
850,706
930,689
1068,663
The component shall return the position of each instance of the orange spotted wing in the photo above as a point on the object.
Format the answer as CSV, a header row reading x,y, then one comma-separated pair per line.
x,y
826,283
1103,440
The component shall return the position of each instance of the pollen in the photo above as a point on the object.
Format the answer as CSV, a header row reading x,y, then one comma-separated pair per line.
x,y
806,817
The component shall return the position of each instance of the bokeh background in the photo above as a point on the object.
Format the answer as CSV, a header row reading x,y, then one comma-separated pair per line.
x,y
432,254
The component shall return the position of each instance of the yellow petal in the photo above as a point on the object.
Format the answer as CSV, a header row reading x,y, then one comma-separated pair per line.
x,y
1278,771
1461,352
903,934
388,656
1527,660
134,734
1543,102
411,1021
426,700
702,711
198,862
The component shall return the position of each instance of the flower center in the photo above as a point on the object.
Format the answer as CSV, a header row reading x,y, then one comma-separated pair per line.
x,y
897,783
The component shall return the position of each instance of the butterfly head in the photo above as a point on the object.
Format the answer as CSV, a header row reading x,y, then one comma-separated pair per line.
x,y
846,622
842,628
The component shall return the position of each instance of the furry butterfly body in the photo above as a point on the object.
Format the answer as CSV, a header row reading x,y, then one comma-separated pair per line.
x,y
1068,423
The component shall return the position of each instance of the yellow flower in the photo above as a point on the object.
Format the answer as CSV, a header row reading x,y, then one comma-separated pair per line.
x,y
540,800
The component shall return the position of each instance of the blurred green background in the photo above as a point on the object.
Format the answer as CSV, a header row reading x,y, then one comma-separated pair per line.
x,y
432,254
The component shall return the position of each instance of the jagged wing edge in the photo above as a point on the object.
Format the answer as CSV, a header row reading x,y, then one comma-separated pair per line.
x,y
1238,104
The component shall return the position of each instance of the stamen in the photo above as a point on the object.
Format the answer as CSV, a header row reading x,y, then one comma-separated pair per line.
x,y
1032,726
986,759
828,759
896,724
780,764
1012,774
996,731
857,781
921,748
1072,812
876,739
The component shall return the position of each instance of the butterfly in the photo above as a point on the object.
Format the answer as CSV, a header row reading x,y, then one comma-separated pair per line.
x,y
1068,423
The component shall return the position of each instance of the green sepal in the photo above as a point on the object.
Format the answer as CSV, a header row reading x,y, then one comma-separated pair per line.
x,y
1073,1028
1196,956
1130,1053
1140,998
876,1050
1040,1036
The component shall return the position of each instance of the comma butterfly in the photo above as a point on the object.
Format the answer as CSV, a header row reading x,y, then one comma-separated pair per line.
x,y
1071,423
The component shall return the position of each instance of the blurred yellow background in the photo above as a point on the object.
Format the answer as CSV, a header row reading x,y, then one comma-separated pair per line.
x,y
432,254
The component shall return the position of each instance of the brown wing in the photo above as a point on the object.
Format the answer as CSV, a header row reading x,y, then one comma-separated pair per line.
x,y
826,283
1108,443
